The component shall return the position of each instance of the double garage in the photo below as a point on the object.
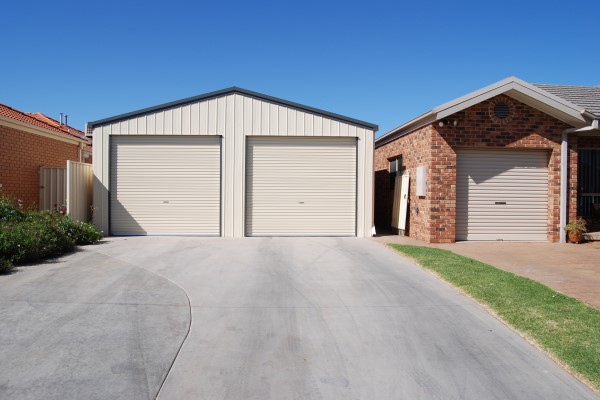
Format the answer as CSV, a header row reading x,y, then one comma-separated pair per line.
x,y
233,163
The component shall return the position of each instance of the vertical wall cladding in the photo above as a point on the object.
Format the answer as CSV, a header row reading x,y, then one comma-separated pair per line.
x,y
233,116
527,128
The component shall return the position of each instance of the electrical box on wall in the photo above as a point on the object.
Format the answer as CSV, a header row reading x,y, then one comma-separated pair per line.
x,y
421,181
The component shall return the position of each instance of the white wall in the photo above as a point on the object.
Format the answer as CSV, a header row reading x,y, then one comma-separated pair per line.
x,y
233,117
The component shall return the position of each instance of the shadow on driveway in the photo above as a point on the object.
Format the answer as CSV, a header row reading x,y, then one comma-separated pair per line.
x,y
88,326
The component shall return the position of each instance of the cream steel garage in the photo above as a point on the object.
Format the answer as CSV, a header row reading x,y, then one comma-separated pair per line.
x,y
233,163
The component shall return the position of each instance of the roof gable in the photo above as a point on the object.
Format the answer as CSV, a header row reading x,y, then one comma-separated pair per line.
x,y
536,97
228,91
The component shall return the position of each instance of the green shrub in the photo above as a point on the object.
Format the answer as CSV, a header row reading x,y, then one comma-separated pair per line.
x,y
5,266
9,211
80,232
27,236
32,240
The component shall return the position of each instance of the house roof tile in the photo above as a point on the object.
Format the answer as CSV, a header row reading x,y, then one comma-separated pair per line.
x,y
41,121
586,97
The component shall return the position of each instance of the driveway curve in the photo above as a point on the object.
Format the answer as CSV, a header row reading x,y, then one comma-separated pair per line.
x,y
334,318
88,326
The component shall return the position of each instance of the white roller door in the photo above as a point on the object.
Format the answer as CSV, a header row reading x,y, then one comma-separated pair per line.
x,y
501,195
301,186
164,185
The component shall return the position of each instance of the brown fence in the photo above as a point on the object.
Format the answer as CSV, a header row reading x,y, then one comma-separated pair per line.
x,y
70,187
53,188
79,190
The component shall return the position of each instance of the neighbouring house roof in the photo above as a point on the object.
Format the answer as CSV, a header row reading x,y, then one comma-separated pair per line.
x,y
232,90
41,121
561,107
587,97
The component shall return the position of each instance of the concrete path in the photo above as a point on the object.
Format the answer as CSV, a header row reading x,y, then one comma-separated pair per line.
x,y
572,269
327,318
88,327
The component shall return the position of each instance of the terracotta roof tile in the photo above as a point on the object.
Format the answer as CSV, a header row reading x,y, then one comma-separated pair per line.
x,y
40,120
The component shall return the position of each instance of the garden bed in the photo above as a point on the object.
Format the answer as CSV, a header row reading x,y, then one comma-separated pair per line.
x,y
28,236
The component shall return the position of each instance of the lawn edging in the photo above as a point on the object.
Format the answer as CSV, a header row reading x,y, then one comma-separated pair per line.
x,y
565,328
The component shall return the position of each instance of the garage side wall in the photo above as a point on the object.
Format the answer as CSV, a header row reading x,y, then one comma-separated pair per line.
x,y
234,117
416,151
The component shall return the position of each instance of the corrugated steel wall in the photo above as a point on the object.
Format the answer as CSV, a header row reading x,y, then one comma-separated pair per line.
x,y
234,117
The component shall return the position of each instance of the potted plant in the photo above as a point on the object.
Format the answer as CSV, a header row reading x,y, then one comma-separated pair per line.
x,y
576,229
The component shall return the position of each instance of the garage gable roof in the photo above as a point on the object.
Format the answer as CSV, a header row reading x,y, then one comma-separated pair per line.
x,y
228,91
536,97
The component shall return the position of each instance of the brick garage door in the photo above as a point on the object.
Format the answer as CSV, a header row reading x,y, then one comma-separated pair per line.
x,y
502,195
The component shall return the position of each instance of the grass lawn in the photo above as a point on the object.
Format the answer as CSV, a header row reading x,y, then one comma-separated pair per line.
x,y
562,326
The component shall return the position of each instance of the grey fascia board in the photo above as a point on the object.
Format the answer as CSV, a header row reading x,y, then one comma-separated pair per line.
x,y
231,90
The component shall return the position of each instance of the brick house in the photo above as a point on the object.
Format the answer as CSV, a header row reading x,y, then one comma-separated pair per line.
x,y
494,165
29,141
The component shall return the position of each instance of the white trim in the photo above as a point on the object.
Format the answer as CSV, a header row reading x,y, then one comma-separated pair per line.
x,y
564,169
22,126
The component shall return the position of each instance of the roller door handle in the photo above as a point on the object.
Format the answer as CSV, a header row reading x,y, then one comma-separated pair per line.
x,y
502,203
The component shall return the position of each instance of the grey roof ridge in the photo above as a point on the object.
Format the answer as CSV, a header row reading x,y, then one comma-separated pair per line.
x,y
233,89
558,84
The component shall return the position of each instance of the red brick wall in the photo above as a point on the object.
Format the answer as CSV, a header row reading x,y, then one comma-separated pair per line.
x,y
527,128
415,150
22,154
588,142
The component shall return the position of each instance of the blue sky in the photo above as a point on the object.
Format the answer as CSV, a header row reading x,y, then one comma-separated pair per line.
x,y
380,61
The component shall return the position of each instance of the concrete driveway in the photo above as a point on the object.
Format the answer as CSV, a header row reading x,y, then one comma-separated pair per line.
x,y
271,318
